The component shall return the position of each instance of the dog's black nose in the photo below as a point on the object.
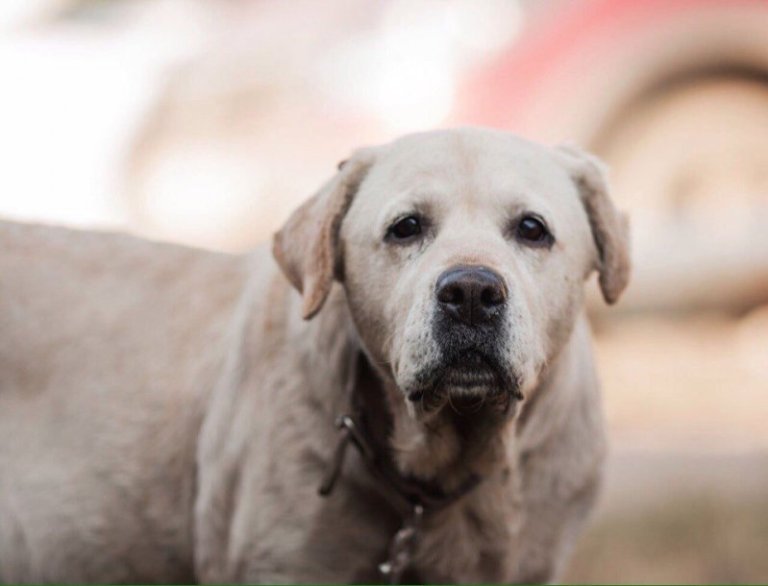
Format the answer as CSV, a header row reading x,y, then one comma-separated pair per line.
x,y
473,295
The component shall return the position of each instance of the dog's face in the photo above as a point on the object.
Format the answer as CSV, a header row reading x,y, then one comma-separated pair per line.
x,y
463,256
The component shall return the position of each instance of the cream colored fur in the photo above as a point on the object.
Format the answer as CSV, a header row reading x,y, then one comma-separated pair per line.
x,y
166,414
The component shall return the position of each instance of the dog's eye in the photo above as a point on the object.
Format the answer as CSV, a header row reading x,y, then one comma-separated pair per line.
x,y
405,228
532,230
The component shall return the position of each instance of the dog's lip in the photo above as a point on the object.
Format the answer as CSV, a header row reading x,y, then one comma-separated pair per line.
x,y
476,376
471,370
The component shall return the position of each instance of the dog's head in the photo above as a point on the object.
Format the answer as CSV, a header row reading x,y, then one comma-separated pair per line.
x,y
463,255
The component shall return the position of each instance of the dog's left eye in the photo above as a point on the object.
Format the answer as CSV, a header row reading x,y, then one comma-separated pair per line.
x,y
532,230
405,229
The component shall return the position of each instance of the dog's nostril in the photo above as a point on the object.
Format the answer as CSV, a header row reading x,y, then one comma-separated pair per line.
x,y
492,296
453,295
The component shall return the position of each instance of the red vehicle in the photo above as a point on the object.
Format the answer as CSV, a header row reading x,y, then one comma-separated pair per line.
x,y
674,96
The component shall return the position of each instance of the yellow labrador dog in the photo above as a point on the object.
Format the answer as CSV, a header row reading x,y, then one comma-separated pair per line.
x,y
416,351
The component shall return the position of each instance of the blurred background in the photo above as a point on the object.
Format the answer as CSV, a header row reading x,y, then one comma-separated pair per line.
x,y
206,121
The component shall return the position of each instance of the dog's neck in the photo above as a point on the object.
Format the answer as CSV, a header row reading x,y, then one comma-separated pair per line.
x,y
449,447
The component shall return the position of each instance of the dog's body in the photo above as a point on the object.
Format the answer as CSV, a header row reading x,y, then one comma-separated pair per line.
x,y
167,415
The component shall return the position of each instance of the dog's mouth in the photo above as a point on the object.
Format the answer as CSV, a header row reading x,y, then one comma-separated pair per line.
x,y
468,379
471,373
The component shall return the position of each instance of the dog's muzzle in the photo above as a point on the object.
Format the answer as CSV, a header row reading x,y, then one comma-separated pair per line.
x,y
469,321
469,328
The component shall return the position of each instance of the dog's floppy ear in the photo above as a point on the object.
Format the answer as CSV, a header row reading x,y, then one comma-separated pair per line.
x,y
610,227
307,246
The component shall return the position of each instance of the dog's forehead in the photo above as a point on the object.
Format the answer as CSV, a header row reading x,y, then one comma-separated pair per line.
x,y
472,162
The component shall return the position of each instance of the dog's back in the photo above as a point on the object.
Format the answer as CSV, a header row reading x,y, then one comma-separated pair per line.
x,y
108,346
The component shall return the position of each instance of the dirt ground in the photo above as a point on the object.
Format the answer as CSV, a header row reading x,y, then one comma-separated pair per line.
x,y
686,490
678,518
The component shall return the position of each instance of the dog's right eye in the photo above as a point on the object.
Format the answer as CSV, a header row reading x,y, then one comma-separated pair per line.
x,y
405,228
